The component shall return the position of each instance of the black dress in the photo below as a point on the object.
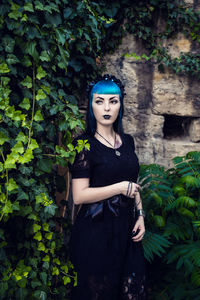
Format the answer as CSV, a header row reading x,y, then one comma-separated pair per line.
x,y
109,265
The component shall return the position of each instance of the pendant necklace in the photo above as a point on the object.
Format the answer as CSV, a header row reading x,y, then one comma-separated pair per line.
x,y
116,151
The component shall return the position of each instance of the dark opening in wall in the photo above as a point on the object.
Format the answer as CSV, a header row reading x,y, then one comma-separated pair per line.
x,y
175,126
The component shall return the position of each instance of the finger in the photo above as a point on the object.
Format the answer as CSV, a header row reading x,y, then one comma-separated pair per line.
x,y
135,228
137,238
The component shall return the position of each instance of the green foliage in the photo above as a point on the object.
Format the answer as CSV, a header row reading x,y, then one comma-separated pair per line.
x,y
45,46
141,22
172,201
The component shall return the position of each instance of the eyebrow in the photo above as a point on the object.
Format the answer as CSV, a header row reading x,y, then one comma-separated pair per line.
x,y
103,98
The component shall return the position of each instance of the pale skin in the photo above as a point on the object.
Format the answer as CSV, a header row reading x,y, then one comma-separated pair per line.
x,y
82,193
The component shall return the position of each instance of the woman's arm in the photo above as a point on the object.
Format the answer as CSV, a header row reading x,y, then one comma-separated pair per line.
x,y
139,225
82,193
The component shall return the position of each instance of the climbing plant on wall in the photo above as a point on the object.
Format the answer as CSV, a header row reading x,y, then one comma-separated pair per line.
x,y
44,48
140,19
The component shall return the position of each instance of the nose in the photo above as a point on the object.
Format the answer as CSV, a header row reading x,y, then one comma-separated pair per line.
x,y
107,106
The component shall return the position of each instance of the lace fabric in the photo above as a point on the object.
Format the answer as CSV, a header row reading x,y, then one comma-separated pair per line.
x,y
132,288
81,165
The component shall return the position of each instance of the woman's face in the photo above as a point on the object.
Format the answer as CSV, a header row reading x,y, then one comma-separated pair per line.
x,y
106,108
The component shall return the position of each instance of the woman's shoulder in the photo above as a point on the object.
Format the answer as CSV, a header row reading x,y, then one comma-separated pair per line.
x,y
129,139
128,136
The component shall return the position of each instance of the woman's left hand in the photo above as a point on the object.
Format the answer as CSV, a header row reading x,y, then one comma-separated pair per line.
x,y
139,225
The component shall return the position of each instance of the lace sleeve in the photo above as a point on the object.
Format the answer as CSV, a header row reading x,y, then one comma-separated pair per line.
x,y
81,166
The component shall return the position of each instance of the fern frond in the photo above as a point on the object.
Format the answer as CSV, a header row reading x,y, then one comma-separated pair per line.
x,y
177,159
195,155
190,181
185,212
196,224
185,201
185,170
154,244
195,278
174,230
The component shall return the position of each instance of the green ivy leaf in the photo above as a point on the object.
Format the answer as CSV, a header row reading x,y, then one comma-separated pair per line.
x,y
41,247
65,268
38,236
12,185
26,210
27,82
4,68
45,165
49,235
3,138
18,147
1,166
39,5
25,104
46,258
27,157
38,116
32,217
40,74
43,277
36,227
47,89
10,161
35,283
56,261
15,12
45,227
22,137
66,279
7,209
50,209
40,295
55,271
2,197
40,95
33,145
12,59
28,7
44,56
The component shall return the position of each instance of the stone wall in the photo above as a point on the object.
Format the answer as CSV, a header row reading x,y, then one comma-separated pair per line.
x,y
162,110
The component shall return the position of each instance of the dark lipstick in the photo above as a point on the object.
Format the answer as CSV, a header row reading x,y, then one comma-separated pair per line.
x,y
107,117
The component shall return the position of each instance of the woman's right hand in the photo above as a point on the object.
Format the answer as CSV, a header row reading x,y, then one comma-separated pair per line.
x,y
123,186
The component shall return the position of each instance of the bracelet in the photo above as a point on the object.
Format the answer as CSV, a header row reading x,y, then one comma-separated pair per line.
x,y
136,203
131,188
127,192
140,212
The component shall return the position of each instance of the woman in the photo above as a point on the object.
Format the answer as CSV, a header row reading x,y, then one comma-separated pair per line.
x,y
105,245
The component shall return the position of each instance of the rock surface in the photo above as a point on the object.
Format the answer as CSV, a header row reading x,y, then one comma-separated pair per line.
x,y
161,109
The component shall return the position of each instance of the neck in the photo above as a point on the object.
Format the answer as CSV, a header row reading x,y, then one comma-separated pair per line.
x,y
106,131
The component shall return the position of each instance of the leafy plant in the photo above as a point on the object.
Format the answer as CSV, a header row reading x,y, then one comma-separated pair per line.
x,y
172,201
43,47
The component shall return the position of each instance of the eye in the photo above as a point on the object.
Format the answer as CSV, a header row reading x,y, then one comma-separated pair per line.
x,y
99,101
114,101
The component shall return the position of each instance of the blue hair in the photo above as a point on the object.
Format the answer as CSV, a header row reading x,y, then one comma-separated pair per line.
x,y
104,87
